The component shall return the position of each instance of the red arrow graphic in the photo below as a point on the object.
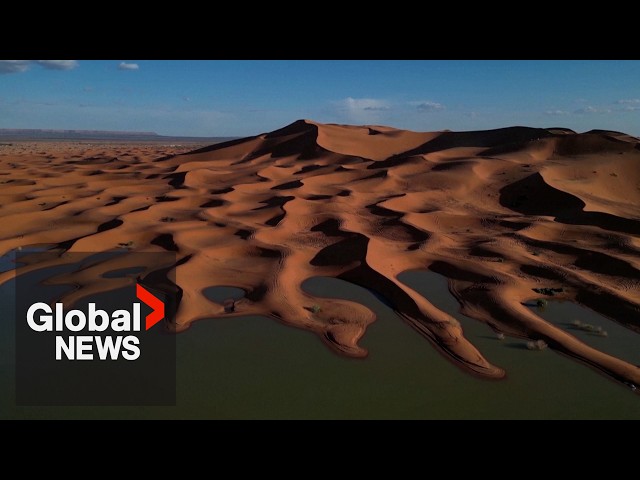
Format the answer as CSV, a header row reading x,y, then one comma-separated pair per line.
x,y
154,302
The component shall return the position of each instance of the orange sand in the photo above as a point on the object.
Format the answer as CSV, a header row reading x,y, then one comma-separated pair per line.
x,y
497,212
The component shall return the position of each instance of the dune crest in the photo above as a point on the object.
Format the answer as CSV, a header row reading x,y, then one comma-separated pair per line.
x,y
498,212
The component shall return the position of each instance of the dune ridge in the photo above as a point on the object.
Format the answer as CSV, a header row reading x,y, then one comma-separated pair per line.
x,y
497,212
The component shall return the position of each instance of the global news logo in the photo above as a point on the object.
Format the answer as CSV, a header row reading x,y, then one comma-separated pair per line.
x,y
96,329
42,318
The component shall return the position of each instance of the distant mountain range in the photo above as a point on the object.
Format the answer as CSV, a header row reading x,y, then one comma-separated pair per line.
x,y
22,134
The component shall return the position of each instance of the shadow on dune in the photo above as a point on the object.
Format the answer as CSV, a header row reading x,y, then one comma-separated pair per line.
x,y
481,138
533,196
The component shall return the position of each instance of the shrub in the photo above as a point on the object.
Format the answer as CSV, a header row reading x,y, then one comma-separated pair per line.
x,y
537,345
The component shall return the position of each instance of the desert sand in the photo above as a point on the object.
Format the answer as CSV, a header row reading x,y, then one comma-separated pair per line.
x,y
497,212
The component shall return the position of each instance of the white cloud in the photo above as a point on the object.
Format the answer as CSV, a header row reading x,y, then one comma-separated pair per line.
x,y
19,66
428,106
363,110
14,66
589,109
556,112
58,64
365,104
628,105
629,101
128,66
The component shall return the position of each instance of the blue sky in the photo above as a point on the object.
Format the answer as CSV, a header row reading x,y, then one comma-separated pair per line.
x,y
238,98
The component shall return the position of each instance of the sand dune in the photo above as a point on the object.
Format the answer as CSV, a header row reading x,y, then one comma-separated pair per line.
x,y
498,212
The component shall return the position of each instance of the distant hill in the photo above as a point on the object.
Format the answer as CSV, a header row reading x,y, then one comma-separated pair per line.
x,y
22,134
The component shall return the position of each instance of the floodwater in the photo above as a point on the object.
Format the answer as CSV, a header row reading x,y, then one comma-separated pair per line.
x,y
256,368
619,341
